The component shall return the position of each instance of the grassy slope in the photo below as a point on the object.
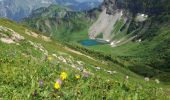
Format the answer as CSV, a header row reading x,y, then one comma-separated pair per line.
x,y
62,23
152,52
20,74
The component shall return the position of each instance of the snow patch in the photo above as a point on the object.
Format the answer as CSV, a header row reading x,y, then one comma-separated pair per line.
x,y
141,17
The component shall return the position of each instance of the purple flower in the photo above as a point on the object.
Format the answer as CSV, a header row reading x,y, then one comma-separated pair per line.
x,y
41,83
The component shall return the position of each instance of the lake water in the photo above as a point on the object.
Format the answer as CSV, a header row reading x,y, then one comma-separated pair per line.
x,y
90,42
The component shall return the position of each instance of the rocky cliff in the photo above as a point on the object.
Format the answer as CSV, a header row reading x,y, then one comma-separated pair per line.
x,y
136,17
138,6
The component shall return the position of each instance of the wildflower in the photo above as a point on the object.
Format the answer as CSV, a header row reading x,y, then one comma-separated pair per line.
x,y
63,75
50,58
98,68
157,81
41,83
57,84
127,77
114,72
110,72
54,55
77,76
79,68
146,79
108,80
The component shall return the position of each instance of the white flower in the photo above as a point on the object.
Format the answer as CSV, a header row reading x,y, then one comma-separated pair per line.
x,y
98,68
127,77
110,72
157,81
146,79
114,72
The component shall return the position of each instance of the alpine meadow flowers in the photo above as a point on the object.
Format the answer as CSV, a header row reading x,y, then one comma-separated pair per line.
x,y
58,84
63,76
50,58
77,76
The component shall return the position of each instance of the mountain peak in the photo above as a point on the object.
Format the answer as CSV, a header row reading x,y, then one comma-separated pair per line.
x,y
18,9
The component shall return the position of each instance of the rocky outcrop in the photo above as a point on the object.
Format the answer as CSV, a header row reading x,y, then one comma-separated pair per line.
x,y
9,36
149,7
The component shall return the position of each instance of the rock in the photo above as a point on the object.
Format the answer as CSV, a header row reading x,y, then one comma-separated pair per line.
x,y
11,37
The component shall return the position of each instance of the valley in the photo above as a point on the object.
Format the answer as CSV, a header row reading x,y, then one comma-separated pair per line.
x,y
118,49
39,61
126,35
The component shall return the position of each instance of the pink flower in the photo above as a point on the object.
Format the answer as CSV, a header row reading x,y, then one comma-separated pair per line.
x,y
59,81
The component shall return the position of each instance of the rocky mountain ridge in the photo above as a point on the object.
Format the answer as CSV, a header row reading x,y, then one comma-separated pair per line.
x,y
18,9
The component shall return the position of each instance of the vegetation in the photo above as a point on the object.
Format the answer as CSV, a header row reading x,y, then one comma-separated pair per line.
x,y
27,73
61,23
60,68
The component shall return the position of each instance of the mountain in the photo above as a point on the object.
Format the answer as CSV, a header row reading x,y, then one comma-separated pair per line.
x,y
118,51
138,31
34,66
62,23
80,5
134,32
18,9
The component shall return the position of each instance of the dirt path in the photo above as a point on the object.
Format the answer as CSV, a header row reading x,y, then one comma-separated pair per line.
x,y
79,53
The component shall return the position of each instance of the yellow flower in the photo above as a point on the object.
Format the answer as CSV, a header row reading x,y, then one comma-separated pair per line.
x,y
77,76
57,86
63,75
50,58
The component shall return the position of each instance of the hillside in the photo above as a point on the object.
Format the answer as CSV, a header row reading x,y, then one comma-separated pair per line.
x,y
18,9
31,63
140,36
61,23
136,33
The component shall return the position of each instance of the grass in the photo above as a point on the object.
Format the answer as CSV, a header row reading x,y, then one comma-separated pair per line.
x,y
23,67
149,56
54,21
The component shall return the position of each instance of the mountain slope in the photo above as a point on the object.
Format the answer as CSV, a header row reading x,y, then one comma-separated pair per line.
x,y
142,41
31,64
80,5
137,33
61,23
18,9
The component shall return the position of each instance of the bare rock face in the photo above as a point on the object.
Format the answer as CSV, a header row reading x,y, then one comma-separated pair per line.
x,y
110,5
150,7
